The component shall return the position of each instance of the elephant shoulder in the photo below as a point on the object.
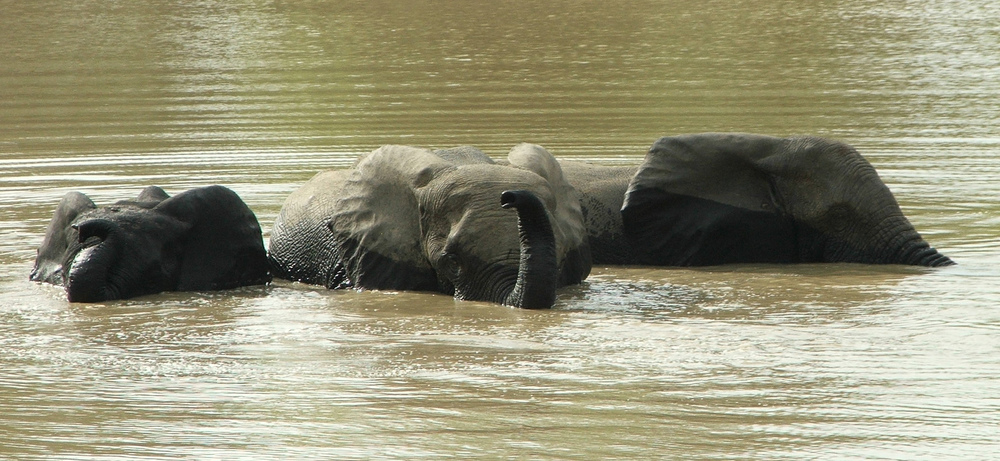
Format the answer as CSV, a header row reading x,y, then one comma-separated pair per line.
x,y
300,241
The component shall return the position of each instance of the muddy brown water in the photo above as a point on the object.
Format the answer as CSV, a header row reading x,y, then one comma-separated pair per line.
x,y
742,362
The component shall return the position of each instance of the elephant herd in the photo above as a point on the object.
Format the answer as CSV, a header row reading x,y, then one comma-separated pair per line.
x,y
508,231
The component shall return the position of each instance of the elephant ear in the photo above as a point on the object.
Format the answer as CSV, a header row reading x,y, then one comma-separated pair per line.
x,y
59,236
375,220
221,246
568,223
709,199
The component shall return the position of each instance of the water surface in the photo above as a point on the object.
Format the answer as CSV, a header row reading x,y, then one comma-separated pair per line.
x,y
759,362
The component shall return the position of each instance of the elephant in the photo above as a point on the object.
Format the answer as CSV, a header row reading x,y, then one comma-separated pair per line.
x,y
407,218
724,198
201,239
602,191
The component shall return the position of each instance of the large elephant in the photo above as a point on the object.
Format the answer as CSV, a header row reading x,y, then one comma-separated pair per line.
x,y
201,239
720,198
405,218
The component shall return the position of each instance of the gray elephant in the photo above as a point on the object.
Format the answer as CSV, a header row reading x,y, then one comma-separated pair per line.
x,y
720,198
405,218
201,239
602,191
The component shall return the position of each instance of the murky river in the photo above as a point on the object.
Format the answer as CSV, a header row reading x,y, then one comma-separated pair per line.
x,y
755,362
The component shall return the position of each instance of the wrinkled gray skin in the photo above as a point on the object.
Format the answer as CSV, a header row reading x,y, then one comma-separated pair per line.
x,y
452,221
720,198
602,192
201,239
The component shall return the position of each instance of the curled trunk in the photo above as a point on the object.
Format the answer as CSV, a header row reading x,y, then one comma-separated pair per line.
x,y
87,277
89,262
538,269
916,252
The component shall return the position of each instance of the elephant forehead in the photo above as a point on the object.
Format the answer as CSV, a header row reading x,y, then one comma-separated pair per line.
x,y
491,236
474,215
465,204
481,185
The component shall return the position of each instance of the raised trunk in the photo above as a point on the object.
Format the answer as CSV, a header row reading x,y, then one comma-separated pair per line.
x,y
538,270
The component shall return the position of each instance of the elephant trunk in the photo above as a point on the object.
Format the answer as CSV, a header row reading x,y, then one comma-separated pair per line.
x,y
538,269
87,278
906,246
89,263
917,252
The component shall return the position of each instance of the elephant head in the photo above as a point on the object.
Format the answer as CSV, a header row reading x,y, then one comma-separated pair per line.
x,y
202,239
452,221
728,198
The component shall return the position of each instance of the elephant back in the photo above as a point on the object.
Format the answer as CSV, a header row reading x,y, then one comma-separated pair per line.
x,y
602,192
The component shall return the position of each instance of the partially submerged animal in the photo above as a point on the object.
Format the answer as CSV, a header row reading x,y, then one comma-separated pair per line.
x,y
201,239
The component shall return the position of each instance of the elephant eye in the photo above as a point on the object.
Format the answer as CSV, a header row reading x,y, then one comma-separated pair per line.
x,y
451,264
839,217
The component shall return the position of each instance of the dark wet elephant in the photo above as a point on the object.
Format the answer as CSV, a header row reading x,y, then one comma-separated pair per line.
x,y
405,218
201,239
720,198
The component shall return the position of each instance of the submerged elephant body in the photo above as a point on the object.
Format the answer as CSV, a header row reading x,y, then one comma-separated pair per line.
x,y
412,219
201,239
721,198
510,232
